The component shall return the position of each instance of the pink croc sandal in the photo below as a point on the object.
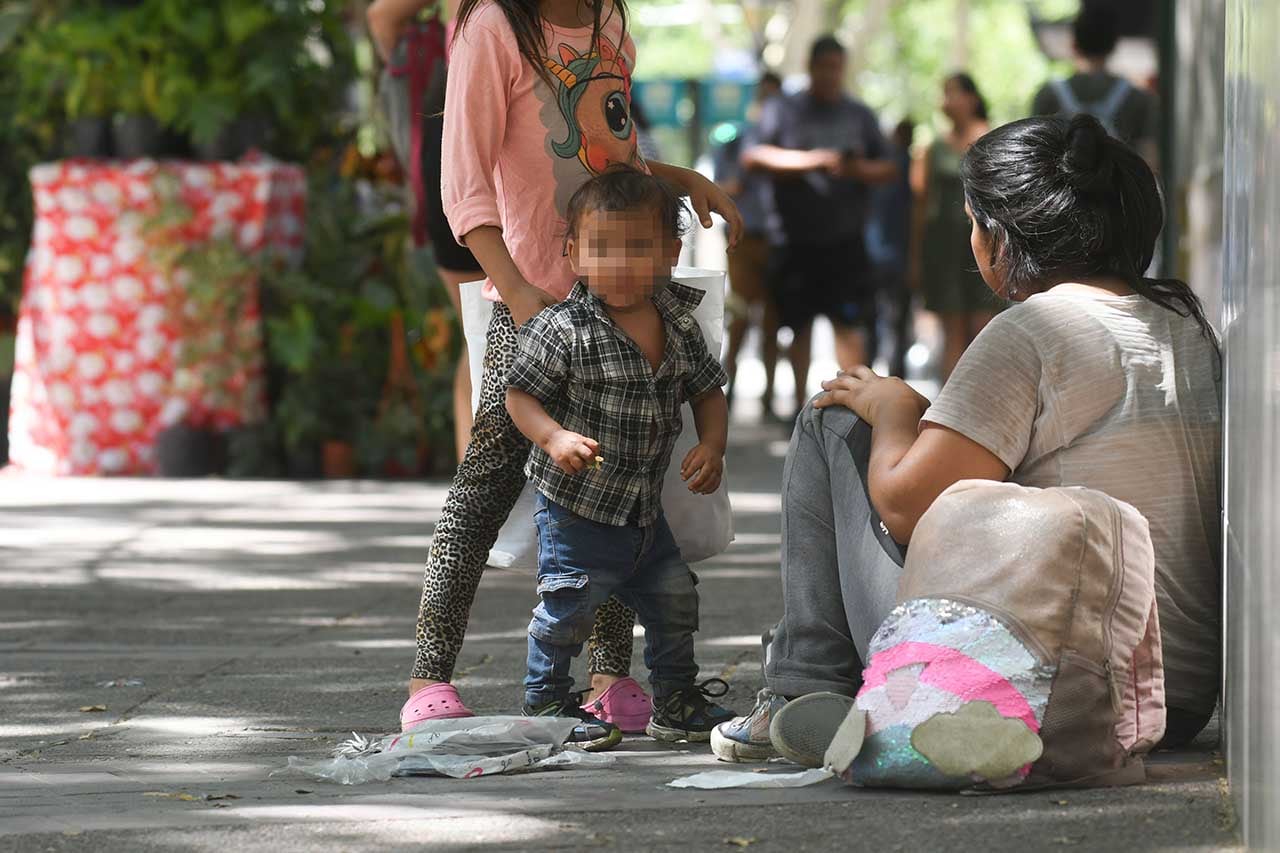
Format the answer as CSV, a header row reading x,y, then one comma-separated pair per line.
x,y
433,702
625,704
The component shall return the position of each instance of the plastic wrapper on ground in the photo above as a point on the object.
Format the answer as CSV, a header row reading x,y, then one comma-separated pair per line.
x,y
462,749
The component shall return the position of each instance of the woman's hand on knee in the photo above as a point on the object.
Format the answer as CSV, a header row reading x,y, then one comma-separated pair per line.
x,y
866,394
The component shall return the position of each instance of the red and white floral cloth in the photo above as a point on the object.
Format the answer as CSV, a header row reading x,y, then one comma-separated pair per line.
x,y
97,363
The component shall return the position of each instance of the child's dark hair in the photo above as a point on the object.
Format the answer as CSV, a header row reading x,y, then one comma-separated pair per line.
x,y
1096,31
1061,199
623,188
525,19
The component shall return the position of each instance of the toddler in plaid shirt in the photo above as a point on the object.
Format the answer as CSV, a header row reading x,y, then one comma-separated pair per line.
x,y
597,385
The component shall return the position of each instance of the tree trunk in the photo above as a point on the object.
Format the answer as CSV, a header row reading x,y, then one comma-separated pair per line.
x,y
960,47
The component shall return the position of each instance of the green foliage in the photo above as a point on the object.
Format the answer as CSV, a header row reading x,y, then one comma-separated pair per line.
x,y
196,67
21,143
209,282
329,324
908,60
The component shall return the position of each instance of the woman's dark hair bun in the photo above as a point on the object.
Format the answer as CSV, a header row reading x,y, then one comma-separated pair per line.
x,y
1087,161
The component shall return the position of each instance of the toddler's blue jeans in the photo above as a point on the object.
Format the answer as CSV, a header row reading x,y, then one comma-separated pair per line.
x,y
580,564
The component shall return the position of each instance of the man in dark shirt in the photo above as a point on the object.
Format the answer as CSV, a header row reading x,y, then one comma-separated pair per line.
x,y
823,149
1125,110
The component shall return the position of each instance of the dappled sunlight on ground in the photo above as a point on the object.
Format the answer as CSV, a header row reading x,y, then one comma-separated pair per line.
x,y
265,620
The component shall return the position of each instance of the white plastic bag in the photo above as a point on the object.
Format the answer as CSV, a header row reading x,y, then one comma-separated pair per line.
x,y
460,748
702,524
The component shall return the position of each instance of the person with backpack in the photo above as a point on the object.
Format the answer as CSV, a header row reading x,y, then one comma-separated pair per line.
x,y
1127,112
1096,376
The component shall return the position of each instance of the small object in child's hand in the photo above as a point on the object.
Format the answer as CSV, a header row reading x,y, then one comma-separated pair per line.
x,y
598,464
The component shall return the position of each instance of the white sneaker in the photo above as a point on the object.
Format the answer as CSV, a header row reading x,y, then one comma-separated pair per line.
x,y
747,738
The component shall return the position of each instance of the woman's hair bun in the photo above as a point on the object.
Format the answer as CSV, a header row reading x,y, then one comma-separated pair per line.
x,y
1087,161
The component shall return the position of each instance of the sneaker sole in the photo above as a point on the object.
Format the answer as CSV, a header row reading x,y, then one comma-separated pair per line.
x,y
731,750
601,744
669,735
803,729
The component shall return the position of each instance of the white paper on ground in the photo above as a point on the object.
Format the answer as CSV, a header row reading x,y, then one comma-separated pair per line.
x,y
717,779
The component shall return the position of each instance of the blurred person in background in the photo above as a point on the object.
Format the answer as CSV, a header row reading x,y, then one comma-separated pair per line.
x,y
824,150
888,244
644,132
943,267
390,21
1125,110
750,302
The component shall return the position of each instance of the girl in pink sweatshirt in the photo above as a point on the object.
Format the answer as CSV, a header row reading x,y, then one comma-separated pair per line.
x,y
538,101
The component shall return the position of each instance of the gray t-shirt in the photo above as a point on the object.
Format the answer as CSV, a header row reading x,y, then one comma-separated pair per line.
x,y
1114,393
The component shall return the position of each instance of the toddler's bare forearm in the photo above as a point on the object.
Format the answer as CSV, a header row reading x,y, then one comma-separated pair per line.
x,y
711,417
531,418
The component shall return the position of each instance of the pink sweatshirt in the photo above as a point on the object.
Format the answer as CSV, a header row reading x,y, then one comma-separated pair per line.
x,y
516,149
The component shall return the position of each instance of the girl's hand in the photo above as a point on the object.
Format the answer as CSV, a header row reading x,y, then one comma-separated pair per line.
x,y
702,469
704,196
866,394
525,302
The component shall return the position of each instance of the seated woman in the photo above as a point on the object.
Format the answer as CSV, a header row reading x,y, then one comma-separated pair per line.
x,y
1098,377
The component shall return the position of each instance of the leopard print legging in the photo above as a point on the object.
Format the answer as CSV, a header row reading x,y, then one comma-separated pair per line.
x,y
484,490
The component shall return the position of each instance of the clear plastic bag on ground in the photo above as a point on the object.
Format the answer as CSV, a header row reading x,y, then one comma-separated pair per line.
x,y
462,749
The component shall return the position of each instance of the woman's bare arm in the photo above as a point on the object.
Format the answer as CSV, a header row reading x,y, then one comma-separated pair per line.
x,y
909,466
387,18
906,477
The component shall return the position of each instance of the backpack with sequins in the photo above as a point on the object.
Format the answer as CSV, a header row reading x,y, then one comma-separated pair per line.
x,y
1025,648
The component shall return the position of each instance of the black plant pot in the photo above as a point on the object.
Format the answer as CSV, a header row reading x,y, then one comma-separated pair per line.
x,y
87,137
254,451
5,381
303,463
187,451
224,146
137,136
253,133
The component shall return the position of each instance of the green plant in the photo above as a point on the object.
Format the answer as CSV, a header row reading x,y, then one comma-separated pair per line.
x,y
209,281
331,330
286,60
69,63
24,137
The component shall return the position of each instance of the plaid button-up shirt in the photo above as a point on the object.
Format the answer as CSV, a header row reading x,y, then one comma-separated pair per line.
x,y
594,380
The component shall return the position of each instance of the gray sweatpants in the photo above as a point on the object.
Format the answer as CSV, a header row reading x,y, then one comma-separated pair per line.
x,y
840,568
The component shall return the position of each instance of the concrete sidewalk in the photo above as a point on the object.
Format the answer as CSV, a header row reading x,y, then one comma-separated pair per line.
x,y
271,619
